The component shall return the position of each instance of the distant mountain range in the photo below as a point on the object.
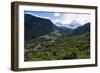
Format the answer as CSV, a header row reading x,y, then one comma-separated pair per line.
x,y
36,26
72,25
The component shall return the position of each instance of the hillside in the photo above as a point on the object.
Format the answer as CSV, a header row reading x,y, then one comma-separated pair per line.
x,y
82,29
49,42
35,26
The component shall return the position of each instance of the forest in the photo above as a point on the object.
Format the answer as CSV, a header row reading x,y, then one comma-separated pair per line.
x,y
63,47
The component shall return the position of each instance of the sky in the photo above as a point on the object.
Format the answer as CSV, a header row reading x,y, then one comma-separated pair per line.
x,y
64,18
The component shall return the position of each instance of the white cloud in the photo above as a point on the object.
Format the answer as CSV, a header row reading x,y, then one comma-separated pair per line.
x,y
57,14
67,19
81,18
60,22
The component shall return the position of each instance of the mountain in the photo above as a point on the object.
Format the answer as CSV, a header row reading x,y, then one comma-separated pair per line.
x,y
82,29
35,26
73,25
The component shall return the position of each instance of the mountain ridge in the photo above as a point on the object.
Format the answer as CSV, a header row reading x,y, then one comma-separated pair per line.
x,y
36,26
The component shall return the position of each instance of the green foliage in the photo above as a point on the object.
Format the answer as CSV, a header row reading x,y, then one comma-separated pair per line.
x,y
62,48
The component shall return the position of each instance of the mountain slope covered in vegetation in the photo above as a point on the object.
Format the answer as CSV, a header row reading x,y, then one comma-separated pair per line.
x,y
45,41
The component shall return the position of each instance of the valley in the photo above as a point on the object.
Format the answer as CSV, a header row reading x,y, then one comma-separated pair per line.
x,y
45,41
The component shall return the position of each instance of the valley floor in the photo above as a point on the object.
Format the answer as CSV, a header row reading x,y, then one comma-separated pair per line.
x,y
62,48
